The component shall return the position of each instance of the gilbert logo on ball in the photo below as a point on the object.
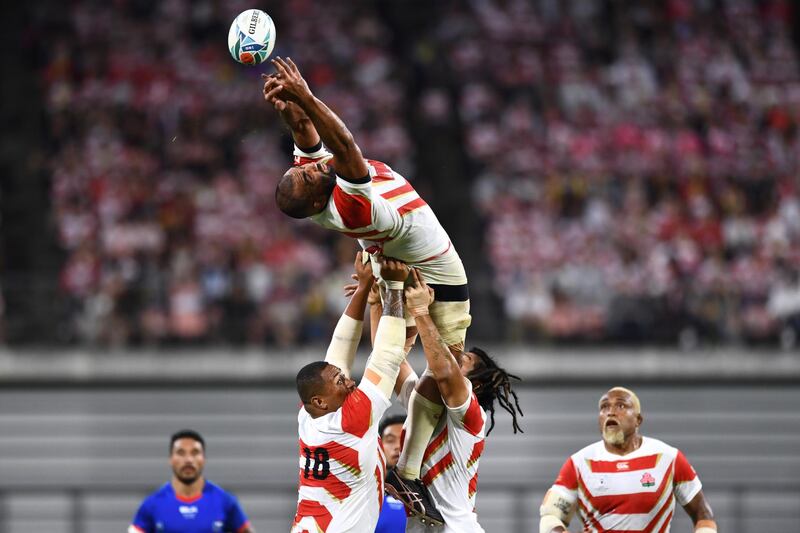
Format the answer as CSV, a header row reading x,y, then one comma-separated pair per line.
x,y
251,37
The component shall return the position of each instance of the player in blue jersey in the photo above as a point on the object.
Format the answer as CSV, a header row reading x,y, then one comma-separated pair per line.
x,y
393,513
189,503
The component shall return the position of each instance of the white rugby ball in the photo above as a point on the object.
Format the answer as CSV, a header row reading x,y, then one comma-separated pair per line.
x,y
251,37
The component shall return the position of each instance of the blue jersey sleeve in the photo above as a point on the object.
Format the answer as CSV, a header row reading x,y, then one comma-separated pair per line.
x,y
392,518
235,519
143,519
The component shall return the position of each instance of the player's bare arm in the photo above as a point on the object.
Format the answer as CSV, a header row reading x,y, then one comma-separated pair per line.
x,y
446,370
289,85
701,514
303,131
364,279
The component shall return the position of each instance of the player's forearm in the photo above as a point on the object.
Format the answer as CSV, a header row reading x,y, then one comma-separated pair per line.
x,y
333,132
344,343
387,355
305,135
437,354
303,131
358,301
347,334
375,312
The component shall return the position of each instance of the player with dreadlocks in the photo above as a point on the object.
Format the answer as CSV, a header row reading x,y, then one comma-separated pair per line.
x,y
490,383
468,387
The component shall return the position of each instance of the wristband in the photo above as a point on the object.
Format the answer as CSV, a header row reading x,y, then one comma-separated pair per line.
x,y
316,148
394,285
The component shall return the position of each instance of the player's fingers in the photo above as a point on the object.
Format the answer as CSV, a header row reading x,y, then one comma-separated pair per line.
x,y
279,66
274,92
416,277
287,70
292,65
280,105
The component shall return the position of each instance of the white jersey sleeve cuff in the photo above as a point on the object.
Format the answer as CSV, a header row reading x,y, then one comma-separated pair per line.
x,y
319,154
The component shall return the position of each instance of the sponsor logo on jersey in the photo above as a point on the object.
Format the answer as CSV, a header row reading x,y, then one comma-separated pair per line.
x,y
647,480
623,465
188,511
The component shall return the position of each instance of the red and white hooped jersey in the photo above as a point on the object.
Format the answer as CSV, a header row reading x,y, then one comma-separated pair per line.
x,y
342,466
386,214
450,467
634,492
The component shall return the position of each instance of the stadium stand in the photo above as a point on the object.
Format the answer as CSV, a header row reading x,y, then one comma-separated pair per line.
x,y
630,173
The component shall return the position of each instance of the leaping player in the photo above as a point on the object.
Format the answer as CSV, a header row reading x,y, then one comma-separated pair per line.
x,y
332,184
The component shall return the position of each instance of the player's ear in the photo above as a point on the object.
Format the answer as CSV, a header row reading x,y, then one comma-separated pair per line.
x,y
319,204
319,402
639,419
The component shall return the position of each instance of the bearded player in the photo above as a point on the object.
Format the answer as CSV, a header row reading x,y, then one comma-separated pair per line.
x,y
332,184
625,482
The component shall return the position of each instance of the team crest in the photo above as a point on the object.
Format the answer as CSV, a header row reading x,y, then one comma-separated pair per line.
x,y
647,480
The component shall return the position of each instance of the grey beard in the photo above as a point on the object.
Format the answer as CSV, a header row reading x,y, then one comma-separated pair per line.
x,y
613,436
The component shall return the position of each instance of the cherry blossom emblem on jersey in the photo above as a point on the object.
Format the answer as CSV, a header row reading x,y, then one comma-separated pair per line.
x,y
647,480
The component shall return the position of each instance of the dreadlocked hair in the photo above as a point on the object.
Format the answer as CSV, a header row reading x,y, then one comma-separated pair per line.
x,y
490,383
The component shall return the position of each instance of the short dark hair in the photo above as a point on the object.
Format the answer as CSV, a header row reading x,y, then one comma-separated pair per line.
x,y
309,380
390,421
490,382
186,434
287,201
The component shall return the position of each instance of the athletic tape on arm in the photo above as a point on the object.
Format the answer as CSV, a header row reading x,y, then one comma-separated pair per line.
x,y
344,343
388,353
556,510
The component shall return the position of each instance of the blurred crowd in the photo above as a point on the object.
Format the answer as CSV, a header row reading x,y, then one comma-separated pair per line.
x,y
164,159
635,164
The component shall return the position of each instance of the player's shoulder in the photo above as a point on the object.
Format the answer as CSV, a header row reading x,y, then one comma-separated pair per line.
x,y
651,445
382,172
591,451
161,493
212,488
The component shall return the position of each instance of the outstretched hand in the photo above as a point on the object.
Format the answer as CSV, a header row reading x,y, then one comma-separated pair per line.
x,y
270,82
363,275
418,295
287,84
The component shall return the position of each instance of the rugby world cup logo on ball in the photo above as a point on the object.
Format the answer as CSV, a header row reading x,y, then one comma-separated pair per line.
x,y
251,37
